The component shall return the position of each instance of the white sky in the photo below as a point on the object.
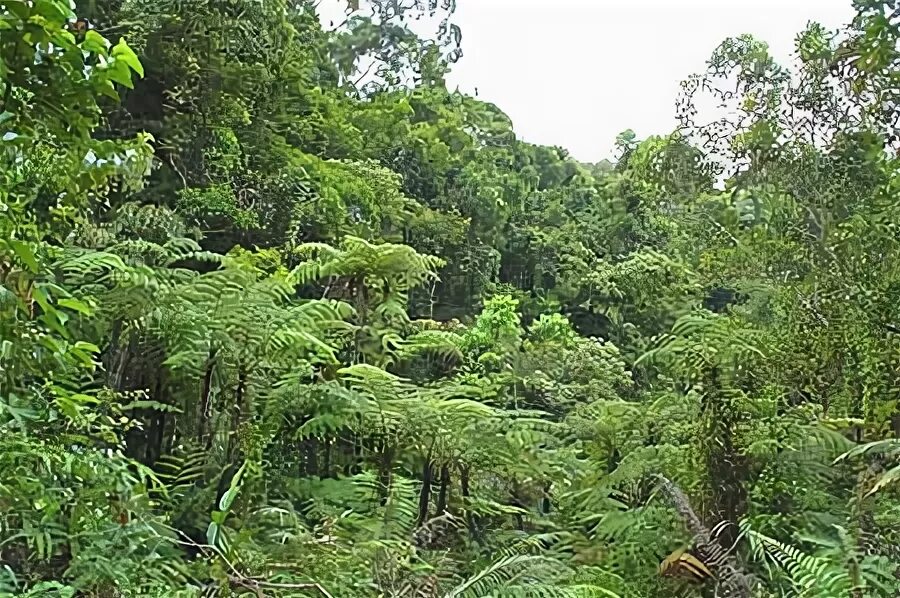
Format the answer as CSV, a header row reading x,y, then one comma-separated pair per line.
x,y
575,73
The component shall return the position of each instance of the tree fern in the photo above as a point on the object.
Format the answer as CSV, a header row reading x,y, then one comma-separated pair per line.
x,y
808,575
888,448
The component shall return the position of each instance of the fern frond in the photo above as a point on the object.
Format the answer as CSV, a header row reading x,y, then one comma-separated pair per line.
x,y
531,576
810,576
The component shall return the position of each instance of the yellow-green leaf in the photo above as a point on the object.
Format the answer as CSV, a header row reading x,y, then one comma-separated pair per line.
x,y
123,52
94,42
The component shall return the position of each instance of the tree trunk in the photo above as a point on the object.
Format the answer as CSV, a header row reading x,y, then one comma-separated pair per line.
x,y
727,468
156,430
204,407
517,502
311,462
425,495
733,581
240,412
326,462
441,506
546,503
385,471
464,492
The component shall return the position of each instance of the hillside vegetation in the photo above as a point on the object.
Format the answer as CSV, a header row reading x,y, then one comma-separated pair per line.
x,y
281,315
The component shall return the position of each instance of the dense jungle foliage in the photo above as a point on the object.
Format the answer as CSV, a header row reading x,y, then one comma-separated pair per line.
x,y
283,315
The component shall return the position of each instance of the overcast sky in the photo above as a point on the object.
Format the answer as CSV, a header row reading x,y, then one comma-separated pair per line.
x,y
575,73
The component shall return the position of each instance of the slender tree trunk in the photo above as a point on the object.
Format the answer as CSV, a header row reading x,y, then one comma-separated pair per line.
x,y
347,455
326,462
546,503
311,463
124,361
465,493
240,412
155,436
727,468
240,397
385,470
425,495
362,313
517,502
441,506
157,429
204,410
112,353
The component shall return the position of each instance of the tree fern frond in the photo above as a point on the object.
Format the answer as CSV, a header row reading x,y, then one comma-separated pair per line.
x,y
441,343
531,576
810,576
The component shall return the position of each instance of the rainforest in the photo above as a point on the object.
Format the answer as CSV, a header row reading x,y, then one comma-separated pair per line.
x,y
284,315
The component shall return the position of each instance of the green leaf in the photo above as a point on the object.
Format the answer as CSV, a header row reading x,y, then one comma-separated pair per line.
x,y
42,299
76,305
68,408
119,72
123,52
19,414
57,12
85,399
228,498
95,43
233,490
212,533
85,346
20,8
24,253
109,90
